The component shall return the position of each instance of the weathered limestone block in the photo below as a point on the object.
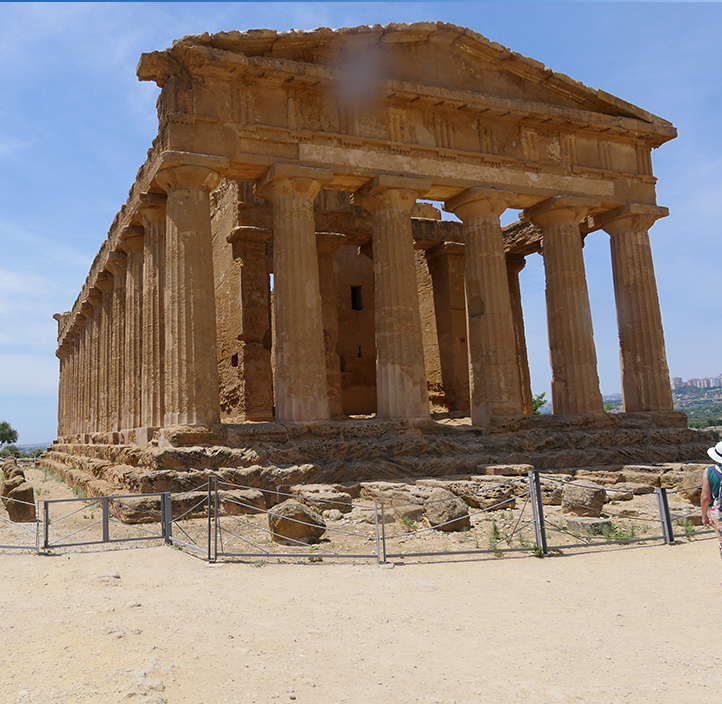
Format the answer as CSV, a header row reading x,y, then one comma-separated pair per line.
x,y
592,526
323,497
14,471
506,470
582,497
495,497
20,503
235,502
600,476
634,487
640,474
691,485
446,512
292,523
407,501
9,484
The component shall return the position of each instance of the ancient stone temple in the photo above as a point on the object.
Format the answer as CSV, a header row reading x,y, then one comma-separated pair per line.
x,y
278,269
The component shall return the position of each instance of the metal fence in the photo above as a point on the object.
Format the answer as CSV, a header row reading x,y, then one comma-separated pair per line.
x,y
223,521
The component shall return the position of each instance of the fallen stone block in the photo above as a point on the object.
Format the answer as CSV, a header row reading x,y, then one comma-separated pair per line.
x,y
584,498
20,504
592,526
292,523
322,497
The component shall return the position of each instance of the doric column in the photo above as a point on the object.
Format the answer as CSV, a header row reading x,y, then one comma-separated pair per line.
x,y
62,355
95,298
645,375
575,382
495,385
514,264
117,266
191,352
446,267
152,378
133,243
301,389
401,385
88,312
72,336
105,320
255,376
326,245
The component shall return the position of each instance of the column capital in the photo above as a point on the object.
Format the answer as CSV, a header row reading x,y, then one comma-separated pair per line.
x,y
515,263
385,190
187,177
632,216
105,281
559,210
116,263
290,179
151,208
80,320
479,201
95,297
87,309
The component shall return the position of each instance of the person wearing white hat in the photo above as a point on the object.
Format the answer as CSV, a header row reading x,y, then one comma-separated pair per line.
x,y
711,501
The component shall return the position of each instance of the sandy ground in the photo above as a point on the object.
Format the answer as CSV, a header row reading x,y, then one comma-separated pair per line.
x,y
154,624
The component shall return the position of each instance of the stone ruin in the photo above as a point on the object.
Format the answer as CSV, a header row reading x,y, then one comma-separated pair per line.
x,y
276,304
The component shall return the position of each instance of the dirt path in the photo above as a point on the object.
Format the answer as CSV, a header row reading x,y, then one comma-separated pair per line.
x,y
154,625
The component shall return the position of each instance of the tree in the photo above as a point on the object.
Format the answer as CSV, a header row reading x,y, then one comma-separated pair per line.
x,y
8,434
538,400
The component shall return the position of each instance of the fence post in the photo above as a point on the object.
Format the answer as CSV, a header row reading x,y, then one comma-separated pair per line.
x,y
46,526
166,516
664,515
38,548
540,533
211,503
106,518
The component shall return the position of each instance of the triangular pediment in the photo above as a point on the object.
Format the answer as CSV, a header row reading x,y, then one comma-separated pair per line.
x,y
434,55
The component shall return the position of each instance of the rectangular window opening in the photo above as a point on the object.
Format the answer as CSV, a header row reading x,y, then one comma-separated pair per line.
x,y
357,301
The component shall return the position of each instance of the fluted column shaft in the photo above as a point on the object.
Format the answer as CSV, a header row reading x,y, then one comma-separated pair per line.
x,y
105,416
117,265
133,244
326,245
191,353
645,374
62,355
73,384
255,376
495,384
95,299
152,377
401,385
575,381
446,267
87,311
514,264
301,389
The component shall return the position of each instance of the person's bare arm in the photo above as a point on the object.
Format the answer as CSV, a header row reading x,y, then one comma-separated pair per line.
x,y
705,499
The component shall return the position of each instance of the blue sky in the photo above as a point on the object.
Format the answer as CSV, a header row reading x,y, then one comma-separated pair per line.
x,y
75,125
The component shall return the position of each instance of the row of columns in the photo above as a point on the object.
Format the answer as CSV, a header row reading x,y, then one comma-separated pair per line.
x,y
141,353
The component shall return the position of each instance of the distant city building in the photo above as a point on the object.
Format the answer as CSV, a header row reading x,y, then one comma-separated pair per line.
x,y
709,382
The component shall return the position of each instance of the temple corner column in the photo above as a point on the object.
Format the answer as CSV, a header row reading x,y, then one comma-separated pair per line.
x,y
645,374
191,358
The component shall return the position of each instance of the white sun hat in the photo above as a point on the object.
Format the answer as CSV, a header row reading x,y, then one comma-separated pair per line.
x,y
716,452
